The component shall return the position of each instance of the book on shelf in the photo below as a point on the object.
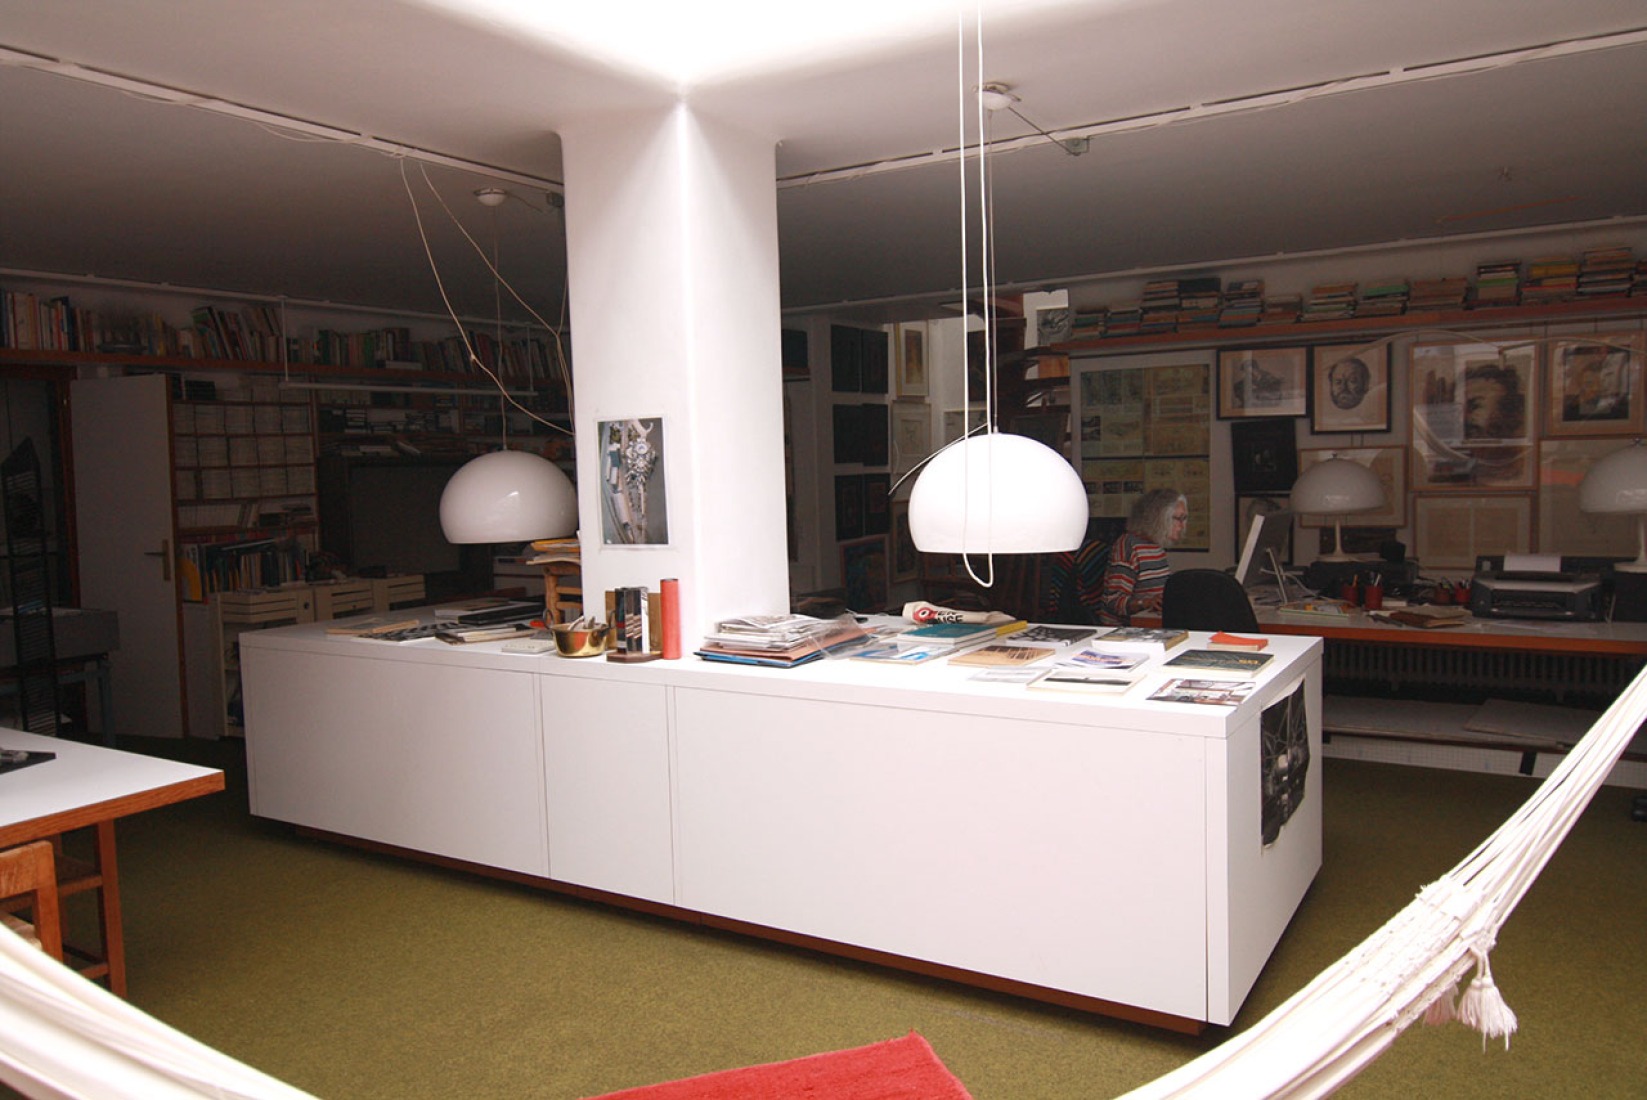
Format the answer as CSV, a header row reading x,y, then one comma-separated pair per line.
x,y
1217,693
1217,664
1000,653
1141,639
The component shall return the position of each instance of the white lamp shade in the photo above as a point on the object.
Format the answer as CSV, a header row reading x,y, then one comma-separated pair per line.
x,y
508,496
1335,487
1617,483
997,494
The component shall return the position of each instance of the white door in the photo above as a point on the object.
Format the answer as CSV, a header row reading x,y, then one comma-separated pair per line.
x,y
124,520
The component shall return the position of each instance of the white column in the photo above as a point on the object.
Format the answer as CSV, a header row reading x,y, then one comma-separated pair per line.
x,y
672,250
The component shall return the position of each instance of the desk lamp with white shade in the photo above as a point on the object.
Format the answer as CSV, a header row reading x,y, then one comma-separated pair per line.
x,y
1337,487
1618,484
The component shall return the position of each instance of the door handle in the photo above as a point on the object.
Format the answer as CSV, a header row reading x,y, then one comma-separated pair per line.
x,y
165,556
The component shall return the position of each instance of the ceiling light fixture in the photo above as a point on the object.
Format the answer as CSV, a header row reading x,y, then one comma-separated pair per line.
x,y
990,493
491,196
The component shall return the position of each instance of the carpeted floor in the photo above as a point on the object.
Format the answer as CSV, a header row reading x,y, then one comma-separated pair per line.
x,y
359,976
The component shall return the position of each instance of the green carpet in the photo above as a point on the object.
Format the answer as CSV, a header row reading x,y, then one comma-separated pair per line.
x,y
356,976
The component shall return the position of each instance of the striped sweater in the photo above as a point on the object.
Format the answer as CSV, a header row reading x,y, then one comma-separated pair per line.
x,y
1133,580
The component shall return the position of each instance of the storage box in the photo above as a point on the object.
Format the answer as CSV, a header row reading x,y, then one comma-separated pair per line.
x,y
334,599
292,603
399,591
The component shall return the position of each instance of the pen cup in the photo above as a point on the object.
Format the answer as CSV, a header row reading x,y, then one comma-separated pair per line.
x,y
1350,593
1372,597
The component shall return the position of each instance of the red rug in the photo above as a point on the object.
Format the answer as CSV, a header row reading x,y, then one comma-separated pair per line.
x,y
898,1069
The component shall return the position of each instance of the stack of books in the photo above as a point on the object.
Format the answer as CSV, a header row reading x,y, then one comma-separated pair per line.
x,y
1281,309
1387,298
1550,279
1439,295
1199,304
1330,302
1497,284
1605,271
1243,303
779,641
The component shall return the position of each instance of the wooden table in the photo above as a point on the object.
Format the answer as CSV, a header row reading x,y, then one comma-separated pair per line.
x,y
1524,635
89,787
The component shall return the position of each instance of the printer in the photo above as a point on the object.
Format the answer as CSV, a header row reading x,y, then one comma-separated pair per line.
x,y
1535,587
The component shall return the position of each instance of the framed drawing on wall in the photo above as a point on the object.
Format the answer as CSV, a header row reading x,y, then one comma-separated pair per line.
x,y
1262,382
1594,386
1472,416
1563,527
911,352
1450,532
911,435
1388,464
906,562
1350,389
863,574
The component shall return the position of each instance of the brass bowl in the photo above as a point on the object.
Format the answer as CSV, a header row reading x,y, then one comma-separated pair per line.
x,y
575,640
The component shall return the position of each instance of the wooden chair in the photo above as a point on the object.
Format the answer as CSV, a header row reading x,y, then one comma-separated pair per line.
x,y
28,873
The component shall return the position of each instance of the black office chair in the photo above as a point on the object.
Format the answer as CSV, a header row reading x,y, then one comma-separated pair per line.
x,y
1206,599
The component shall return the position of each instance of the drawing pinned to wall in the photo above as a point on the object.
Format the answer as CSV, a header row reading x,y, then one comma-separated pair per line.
x,y
634,505
1595,386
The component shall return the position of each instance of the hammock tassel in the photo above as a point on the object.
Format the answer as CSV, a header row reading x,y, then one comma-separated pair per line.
x,y
1483,1007
1443,1009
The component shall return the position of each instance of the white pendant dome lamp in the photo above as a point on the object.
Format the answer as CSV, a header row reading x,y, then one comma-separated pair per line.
x,y
1618,483
992,493
508,496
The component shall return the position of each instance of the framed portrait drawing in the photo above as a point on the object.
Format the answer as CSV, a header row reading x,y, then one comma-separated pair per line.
x,y
1262,382
1594,386
905,563
911,351
1388,464
1451,531
1565,528
911,435
863,574
1264,454
849,507
1472,416
1350,389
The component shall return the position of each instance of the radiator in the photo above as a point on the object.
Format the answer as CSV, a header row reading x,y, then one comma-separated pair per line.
x,y
1459,673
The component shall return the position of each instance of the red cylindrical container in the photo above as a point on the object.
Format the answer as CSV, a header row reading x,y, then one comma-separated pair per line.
x,y
669,604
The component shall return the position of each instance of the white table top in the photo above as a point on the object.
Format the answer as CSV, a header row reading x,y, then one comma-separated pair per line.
x,y
86,777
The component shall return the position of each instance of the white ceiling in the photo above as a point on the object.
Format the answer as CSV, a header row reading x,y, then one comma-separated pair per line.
x,y
1368,144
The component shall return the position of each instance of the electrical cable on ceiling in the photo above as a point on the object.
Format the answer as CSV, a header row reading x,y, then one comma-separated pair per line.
x,y
440,285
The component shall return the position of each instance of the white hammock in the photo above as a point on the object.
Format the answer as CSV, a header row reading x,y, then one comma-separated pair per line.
x,y
62,1036
1324,1034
